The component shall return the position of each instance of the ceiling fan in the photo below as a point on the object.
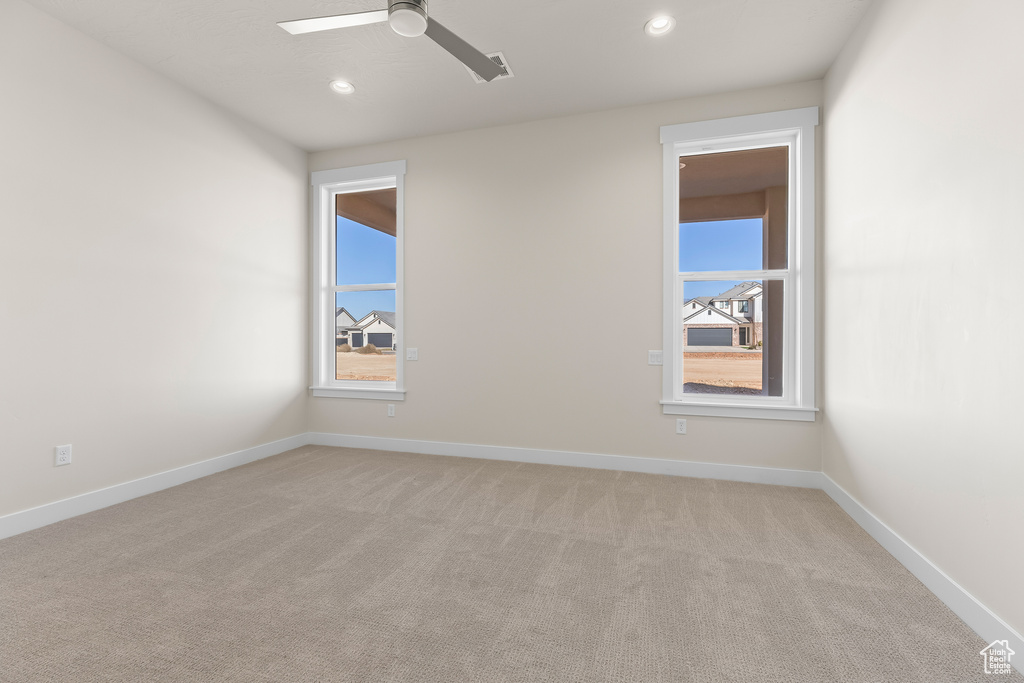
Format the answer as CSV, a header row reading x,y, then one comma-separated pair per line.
x,y
406,18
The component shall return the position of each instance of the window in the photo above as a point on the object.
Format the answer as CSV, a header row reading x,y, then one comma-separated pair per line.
x,y
739,225
358,330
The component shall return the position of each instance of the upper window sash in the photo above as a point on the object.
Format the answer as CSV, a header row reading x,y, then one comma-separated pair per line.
x,y
795,129
326,185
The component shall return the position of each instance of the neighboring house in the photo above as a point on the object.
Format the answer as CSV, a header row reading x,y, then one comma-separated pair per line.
x,y
343,326
732,318
343,320
377,328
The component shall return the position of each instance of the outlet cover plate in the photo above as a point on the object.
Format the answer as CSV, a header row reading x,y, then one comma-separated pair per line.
x,y
62,455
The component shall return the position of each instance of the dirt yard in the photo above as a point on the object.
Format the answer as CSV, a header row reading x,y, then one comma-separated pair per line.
x,y
369,366
722,373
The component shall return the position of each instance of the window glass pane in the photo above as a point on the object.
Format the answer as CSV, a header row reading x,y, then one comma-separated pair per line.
x,y
733,210
365,336
721,245
365,237
732,337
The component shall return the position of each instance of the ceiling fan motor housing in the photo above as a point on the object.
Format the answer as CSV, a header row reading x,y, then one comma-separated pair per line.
x,y
408,17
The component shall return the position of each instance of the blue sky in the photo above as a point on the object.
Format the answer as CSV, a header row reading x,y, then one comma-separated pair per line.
x,y
718,245
365,256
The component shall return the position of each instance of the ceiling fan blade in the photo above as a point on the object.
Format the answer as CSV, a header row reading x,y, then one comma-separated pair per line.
x,y
463,51
337,21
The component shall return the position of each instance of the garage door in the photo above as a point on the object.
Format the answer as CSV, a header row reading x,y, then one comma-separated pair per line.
x,y
709,336
357,339
382,340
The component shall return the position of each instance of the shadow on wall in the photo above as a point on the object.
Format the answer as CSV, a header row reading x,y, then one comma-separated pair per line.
x,y
289,420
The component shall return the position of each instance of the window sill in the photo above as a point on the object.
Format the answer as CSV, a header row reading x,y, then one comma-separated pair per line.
x,y
757,412
382,394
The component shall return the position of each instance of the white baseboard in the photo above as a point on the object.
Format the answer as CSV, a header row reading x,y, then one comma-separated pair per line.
x,y
973,613
33,518
981,619
702,470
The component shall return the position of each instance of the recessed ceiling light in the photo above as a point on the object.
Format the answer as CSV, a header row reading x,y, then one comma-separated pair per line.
x,y
659,26
343,87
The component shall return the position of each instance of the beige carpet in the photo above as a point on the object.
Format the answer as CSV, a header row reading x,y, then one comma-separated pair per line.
x,y
326,564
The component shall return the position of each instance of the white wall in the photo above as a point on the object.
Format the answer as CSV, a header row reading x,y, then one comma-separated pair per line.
x,y
924,173
550,226
152,270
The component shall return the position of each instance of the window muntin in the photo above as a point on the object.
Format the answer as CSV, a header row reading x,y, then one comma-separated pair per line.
x,y
786,266
358,243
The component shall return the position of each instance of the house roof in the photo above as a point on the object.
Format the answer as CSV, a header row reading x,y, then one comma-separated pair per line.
x,y
703,301
731,293
341,309
736,292
718,311
388,317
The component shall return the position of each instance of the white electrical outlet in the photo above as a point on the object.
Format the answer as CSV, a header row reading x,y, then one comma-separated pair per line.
x,y
680,426
412,354
654,358
391,410
62,455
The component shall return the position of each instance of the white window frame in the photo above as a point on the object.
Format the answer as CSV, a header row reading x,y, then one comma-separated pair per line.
x,y
793,128
326,186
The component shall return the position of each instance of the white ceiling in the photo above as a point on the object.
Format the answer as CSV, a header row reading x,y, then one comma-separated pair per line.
x,y
568,56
